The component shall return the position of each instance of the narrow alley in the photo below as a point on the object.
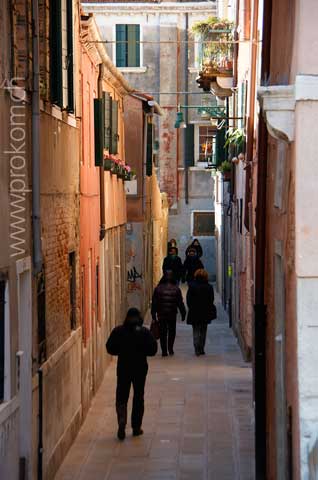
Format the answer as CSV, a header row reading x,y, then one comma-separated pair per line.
x,y
198,419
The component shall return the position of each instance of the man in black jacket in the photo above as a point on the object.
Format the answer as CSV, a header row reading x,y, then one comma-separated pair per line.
x,y
166,301
133,343
173,263
191,264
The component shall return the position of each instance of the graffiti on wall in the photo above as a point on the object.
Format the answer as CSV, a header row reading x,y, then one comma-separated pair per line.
x,y
134,266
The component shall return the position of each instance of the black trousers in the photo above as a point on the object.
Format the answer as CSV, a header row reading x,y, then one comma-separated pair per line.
x,y
167,333
124,381
199,336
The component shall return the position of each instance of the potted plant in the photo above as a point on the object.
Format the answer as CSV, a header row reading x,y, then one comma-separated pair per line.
x,y
108,163
225,168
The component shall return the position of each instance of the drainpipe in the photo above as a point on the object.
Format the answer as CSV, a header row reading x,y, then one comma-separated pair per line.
x,y
145,139
186,114
260,310
36,214
40,426
102,232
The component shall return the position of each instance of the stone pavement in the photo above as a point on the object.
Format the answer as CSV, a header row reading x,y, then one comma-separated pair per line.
x,y
198,419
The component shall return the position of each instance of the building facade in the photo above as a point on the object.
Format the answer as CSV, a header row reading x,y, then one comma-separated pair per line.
x,y
16,281
102,249
144,42
272,265
143,196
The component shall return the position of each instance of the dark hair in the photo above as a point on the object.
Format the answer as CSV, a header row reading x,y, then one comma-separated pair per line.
x,y
173,248
168,277
192,249
133,318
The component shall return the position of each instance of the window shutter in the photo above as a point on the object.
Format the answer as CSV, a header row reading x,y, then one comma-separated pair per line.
x,y
107,111
219,146
56,82
149,150
189,143
121,47
99,131
70,57
133,37
114,127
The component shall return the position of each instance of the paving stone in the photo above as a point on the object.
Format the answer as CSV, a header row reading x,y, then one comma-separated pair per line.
x,y
198,419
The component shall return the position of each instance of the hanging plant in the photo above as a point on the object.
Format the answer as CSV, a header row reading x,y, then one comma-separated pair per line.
x,y
235,139
204,27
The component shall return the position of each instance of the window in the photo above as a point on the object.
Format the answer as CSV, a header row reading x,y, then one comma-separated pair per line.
x,y
205,146
127,45
203,224
72,283
61,54
105,126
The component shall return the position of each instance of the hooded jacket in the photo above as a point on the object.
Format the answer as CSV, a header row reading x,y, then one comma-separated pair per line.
x,y
132,343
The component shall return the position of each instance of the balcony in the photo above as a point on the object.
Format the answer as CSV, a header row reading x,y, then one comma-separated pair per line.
x,y
215,55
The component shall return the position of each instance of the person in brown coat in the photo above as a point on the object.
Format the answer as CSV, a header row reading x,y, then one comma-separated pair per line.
x,y
166,301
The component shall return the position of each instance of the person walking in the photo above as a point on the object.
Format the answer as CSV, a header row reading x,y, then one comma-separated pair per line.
x,y
191,264
197,246
166,301
173,263
200,301
132,343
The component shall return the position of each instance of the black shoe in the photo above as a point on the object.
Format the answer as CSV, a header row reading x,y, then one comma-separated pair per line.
x,y
121,434
164,354
171,352
197,353
202,352
137,432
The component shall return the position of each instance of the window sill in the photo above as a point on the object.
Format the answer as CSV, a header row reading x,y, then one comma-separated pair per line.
x,y
58,113
133,69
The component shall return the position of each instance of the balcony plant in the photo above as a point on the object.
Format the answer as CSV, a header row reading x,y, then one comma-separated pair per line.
x,y
217,48
225,168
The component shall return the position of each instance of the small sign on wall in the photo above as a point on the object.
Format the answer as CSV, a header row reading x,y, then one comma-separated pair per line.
x,y
131,187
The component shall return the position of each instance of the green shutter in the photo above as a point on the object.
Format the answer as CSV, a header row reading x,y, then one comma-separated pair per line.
x,y
98,131
121,47
114,132
107,111
189,145
70,58
133,37
220,151
56,80
149,150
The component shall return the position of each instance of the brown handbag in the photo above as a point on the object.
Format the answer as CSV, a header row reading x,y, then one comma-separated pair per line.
x,y
155,329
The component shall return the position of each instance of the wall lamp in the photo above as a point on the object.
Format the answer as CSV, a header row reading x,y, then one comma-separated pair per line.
x,y
180,123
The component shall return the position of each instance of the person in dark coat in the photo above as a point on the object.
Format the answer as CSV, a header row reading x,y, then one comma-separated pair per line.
x,y
173,263
197,246
132,343
166,300
200,300
191,264
172,244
